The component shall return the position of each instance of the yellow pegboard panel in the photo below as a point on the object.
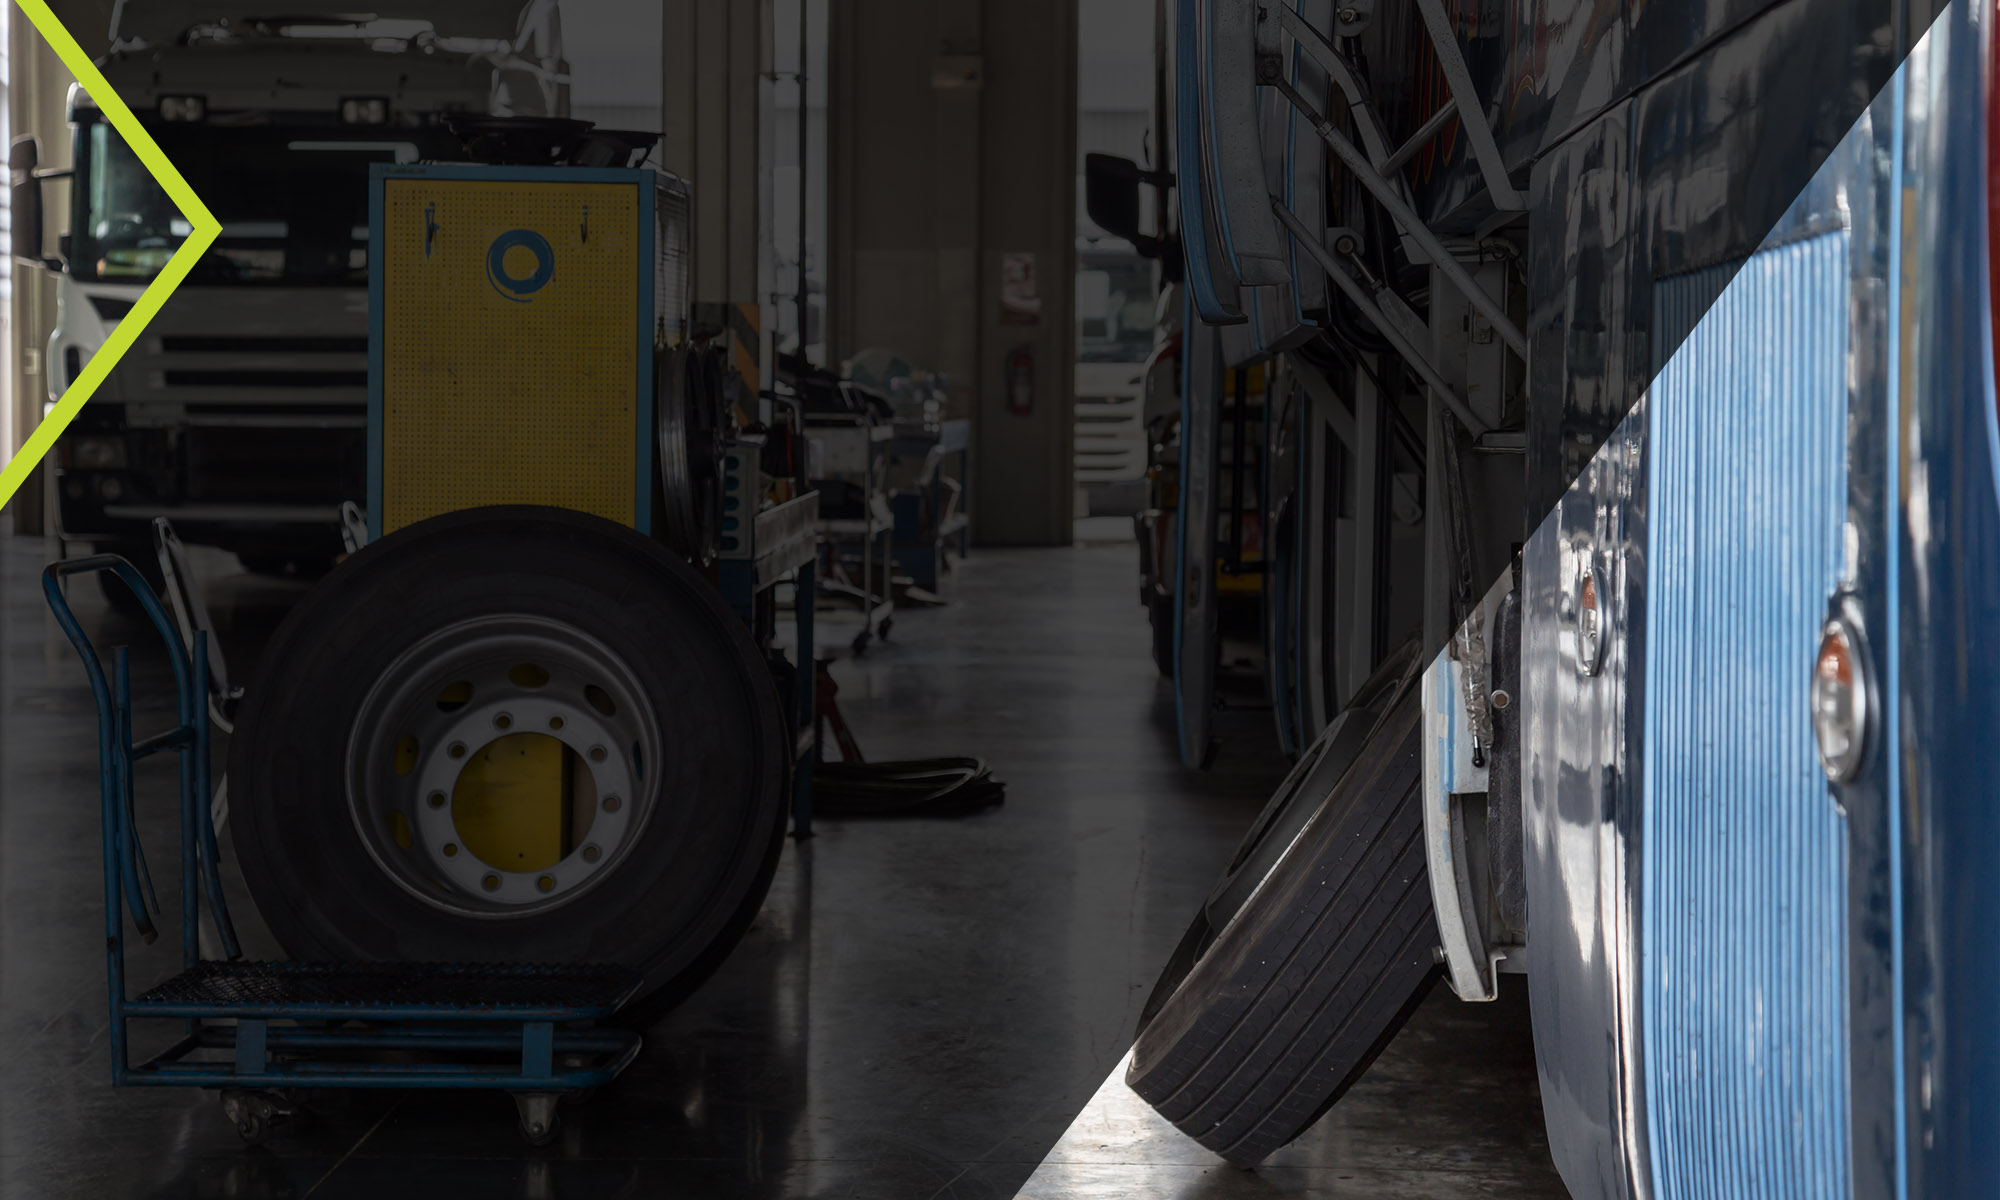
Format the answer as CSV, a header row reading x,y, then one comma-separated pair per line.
x,y
510,340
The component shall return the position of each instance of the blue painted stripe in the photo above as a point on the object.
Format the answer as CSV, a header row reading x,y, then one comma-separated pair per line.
x,y
1891,644
1188,333
377,184
1213,177
1187,154
1273,591
1744,874
642,356
1292,177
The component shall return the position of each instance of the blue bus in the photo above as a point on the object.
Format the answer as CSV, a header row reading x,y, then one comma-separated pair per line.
x,y
1632,585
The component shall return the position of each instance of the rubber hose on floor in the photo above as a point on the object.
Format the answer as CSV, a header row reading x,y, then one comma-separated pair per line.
x,y
914,787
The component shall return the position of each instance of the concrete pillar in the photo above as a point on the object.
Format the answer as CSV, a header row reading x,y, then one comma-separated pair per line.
x,y
953,144
716,112
958,89
1026,462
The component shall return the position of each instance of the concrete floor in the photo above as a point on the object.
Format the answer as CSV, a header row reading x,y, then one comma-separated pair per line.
x,y
922,1010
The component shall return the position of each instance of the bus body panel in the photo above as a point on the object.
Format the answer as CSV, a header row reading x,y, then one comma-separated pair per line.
x,y
1943,684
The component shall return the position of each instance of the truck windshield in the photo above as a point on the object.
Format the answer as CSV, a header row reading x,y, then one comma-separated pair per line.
x,y
293,202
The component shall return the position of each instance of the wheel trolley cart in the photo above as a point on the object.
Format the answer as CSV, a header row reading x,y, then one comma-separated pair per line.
x,y
260,1031
854,447
929,513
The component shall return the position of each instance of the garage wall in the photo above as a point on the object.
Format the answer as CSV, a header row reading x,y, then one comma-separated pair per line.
x,y
953,138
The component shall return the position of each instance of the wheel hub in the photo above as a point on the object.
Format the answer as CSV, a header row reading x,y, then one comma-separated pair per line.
x,y
502,766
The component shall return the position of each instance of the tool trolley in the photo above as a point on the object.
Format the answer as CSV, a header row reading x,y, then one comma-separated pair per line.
x,y
262,1032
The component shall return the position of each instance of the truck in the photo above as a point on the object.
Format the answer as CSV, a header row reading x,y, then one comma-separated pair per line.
x,y
241,414
1635,508
1115,301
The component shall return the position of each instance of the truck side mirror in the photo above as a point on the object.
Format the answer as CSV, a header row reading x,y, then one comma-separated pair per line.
x,y
24,157
1111,197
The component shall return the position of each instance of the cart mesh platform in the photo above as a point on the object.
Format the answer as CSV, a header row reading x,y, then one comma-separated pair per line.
x,y
504,991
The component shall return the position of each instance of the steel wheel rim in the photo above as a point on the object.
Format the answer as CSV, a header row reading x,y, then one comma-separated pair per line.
x,y
587,699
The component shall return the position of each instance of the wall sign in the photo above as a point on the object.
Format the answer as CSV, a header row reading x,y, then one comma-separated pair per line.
x,y
1020,303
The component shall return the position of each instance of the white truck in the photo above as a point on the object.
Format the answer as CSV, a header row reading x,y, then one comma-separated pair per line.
x,y
242,412
1116,290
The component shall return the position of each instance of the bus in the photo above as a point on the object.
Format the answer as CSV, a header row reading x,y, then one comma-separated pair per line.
x,y
1635,588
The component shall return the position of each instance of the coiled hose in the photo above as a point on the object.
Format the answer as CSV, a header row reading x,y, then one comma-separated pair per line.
x,y
914,787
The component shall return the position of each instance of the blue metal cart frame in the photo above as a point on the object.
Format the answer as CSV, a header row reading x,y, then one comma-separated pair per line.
x,y
779,541
297,1025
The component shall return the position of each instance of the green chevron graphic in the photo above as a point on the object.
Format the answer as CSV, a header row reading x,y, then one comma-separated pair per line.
x,y
205,230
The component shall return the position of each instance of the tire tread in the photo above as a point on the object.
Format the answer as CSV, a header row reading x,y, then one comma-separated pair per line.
x,y
1311,980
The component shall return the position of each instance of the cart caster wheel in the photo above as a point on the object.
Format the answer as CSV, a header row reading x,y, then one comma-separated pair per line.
x,y
539,1121
882,630
254,1129
255,1115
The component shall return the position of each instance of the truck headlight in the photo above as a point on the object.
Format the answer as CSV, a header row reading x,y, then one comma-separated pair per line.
x,y
98,453
365,110
183,108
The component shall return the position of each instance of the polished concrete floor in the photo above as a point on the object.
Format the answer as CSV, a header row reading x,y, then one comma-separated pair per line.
x,y
922,1010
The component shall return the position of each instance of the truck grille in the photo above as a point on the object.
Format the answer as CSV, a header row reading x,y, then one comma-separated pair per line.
x,y
185,344
184,366
266,378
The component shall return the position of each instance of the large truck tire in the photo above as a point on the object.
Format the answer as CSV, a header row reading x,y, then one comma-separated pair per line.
x,y
512,734
1303,793
1268,1015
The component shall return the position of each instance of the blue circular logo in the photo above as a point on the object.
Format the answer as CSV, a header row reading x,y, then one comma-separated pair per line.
x,y
519,287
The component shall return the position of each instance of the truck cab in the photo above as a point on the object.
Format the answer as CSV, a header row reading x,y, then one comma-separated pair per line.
x,y
1115,298
242,413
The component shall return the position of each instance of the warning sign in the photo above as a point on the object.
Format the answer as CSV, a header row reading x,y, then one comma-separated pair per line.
x,y
1020,303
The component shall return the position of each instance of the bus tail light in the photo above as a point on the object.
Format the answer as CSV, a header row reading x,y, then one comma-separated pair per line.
x,y
1841,704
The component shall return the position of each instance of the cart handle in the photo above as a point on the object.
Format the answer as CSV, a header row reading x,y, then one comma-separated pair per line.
x,y
190,735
